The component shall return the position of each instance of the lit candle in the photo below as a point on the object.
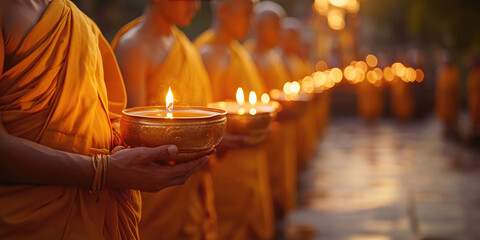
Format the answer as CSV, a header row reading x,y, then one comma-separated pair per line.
x,y
169,103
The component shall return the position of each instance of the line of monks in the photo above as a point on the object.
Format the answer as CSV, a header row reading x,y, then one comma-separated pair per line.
x,y
63,87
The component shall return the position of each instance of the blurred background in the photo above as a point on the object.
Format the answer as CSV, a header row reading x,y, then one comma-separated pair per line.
x,y
393,164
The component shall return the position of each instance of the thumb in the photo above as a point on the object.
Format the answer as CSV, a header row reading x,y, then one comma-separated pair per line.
x,y
161,152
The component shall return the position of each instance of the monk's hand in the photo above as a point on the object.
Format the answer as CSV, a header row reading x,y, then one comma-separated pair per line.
x,y
138,168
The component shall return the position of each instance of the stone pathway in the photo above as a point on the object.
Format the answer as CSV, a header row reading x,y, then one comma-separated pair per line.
x,y
388,181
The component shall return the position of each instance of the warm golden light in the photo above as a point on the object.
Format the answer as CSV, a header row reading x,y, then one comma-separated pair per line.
x,y
336,19
388,74
350,73
352,6
338,3
362,66
321,6
378,74
295,87
287,88
371,60
241,111
321,66
319,79
420,75
169,100
308,84
240,96
252,98
336,75
265,98
252,111
398,69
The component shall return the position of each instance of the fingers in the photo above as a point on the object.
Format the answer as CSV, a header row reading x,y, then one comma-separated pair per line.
x,y
160,153
187,168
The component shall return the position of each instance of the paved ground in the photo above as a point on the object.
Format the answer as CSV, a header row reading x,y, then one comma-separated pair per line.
x,y
386,182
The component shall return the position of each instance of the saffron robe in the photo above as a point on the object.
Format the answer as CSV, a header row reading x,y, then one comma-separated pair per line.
x,y
240,178
280,143
447,99
186,211
370,102
402,100
61,87
473,86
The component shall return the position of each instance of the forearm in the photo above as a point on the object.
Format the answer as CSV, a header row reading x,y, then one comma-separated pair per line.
x,y
26,162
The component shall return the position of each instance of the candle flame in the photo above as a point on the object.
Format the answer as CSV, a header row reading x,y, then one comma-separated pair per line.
x,y
169,100
240,96
170,115
252,98
265,98
295,87
287,88
253,111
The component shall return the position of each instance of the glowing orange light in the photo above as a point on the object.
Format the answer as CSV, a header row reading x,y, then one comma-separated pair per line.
x,y
362,65
169,103
265,98
335,19
388,74
252,98
420,75
240,97
321,7
321,66
339,3
336,75
371,60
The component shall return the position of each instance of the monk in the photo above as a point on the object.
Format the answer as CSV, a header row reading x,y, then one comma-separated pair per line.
x,y
306,125
240,178
282,164
370,104
473,87
403,105
60,93
154,55
447,99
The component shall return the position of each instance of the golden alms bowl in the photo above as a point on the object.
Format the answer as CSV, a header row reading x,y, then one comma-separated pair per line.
x,y
242,120
194,130
292,106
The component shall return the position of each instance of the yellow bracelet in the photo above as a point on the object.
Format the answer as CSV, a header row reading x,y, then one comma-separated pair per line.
x,y
100,165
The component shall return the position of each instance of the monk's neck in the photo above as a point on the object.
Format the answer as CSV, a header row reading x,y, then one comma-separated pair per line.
x,y
260,46
156,23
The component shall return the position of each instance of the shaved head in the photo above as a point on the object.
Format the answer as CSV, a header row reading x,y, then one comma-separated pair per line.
x,y
269,7
233,16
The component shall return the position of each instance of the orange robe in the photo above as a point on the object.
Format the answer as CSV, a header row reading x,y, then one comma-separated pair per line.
x,y
306,124
241,182
281,140
473,86
54,91
369,101
402,100
447,96
187,211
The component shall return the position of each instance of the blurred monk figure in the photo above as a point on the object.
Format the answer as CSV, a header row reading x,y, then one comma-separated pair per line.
x,y
241,183
154,55
473,88
370,102
61,92
403,105
290,53
281,140
447,99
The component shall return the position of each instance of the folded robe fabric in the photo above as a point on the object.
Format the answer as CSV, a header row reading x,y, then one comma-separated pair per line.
x,y
187,211
61,87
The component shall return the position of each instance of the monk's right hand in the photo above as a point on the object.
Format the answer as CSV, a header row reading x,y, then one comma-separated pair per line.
x,y
138,168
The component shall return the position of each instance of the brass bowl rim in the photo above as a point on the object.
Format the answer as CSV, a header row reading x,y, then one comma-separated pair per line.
x,y
217,112
216,105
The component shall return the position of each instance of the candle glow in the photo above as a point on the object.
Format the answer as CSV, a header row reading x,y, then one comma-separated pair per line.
x,y
252,98
169,103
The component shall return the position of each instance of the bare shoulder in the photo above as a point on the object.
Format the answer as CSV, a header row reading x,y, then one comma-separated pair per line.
x,y
130,47
215,56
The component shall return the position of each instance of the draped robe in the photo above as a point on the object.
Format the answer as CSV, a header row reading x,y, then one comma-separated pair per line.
x,y
61,87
